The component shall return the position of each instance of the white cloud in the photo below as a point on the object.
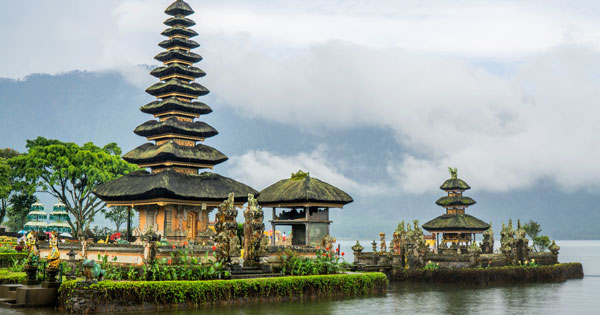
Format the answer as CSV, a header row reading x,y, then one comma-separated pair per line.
x,y
538,123
260,169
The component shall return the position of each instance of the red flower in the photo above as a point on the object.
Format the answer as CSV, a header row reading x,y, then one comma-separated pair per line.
x,y
174,246
327,248
214,247
342,253
317,247
324,255
169,262
337,249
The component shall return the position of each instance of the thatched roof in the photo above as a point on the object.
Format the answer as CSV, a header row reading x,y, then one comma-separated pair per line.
x,y
456,222
177,68
171,151
177,20
178,54
178,30
302,189
455,184
447,201
174,104
176,85
179,7
178,41
169,184
172,125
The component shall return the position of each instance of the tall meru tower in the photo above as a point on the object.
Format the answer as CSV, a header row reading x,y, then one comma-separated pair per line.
x,y
173,199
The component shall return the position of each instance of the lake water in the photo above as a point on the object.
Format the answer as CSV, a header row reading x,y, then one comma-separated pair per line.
x,y
570,297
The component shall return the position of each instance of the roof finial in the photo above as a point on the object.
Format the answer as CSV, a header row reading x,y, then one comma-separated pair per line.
x,y
300,175
453,173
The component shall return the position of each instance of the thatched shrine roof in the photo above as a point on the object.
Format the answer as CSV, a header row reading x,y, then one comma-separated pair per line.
x,y
179,7
178,20
173,152
176,68
178,41
178,30
455,184
300,190
178,54
176,85
174,104
447,201
141,186
456,223
174,126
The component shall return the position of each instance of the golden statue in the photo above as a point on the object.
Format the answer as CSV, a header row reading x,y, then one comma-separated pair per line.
x,y
32,248
54,256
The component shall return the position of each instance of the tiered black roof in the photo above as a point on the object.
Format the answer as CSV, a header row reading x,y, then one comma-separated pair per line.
x,y
455,222
174,104
173,125
171,160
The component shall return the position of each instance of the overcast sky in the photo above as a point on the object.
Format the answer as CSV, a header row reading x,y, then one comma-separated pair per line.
x,y
506,91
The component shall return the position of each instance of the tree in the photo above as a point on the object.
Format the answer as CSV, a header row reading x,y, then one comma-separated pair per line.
x,y
540,242
10,184
70,173
17,213
117,215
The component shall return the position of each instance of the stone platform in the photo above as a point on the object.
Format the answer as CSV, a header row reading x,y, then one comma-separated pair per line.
x,y
20,295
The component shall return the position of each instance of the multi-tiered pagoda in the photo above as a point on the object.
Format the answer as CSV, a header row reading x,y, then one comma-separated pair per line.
x,y
173,199
457,227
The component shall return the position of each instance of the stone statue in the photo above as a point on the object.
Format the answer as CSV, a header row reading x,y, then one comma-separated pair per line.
x,y
374,245
255,242
521,249
327,242
507,239
382,245
487,245
54,256
553,248
31,242
228,243
92,271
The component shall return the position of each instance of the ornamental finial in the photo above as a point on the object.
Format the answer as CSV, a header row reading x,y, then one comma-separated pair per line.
x,y
453,173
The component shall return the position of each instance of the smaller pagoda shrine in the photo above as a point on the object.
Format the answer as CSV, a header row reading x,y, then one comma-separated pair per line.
x,y
60,218
36,218
307,201
457,227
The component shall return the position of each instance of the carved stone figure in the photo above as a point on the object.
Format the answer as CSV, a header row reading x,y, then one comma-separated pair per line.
x,y
327,242
54,256
553,248
92,271
255,242
487,244
374,245
228,243
507,240
382,244
521,248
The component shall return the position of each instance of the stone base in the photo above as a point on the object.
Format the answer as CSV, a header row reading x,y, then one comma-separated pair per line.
x,y
30,282
46,284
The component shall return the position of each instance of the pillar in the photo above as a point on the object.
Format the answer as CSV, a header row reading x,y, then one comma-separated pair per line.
x,y
128,224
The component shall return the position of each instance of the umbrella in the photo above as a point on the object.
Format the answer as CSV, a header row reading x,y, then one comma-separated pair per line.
x,y
22,232
67,235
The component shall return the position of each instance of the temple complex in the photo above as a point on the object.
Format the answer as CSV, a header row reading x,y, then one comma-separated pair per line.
x,y
172,198
307,201
457,227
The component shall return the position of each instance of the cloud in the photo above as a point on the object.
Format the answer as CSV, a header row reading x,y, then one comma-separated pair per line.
x,y
535,124
260,169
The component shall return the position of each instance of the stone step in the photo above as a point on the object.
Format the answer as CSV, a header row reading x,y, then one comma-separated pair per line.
x,y
10,303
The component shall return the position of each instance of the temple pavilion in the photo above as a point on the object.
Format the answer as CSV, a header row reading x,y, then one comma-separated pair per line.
x,y
306,202
457,227
173,199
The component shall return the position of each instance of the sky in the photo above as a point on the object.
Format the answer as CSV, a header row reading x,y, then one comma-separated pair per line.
x,y
505,91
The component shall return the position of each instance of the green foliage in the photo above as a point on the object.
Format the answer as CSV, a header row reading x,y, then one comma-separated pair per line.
x,y
10,277
541,243
194,293
70,172
431,266
326,262
8,259
532,229
13,189
117,215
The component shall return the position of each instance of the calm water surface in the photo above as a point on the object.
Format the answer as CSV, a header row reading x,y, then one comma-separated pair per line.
x,y
570,297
